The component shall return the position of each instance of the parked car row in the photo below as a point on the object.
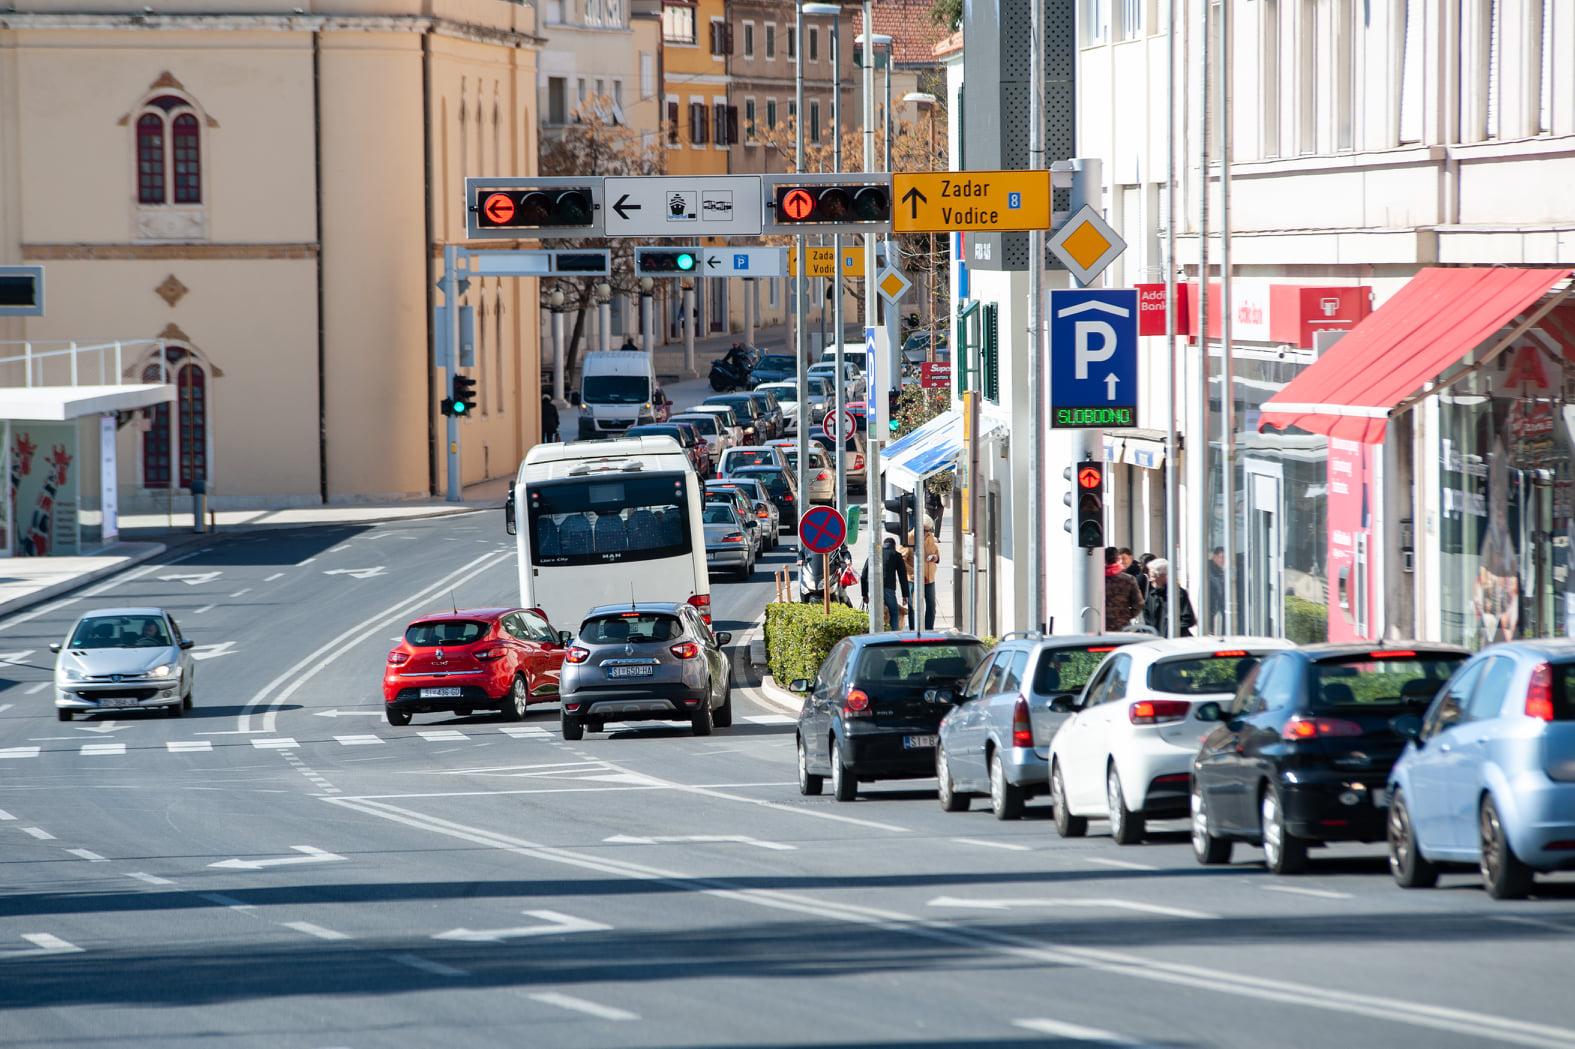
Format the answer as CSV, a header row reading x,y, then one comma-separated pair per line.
x,y
1449,758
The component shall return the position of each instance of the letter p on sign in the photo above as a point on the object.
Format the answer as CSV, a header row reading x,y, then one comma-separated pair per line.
x,y
1095,343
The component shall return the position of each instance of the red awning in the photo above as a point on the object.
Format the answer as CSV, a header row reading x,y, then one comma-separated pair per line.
x,y
1429,325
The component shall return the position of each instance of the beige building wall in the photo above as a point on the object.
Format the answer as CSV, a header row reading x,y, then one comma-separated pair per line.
x,y
301,282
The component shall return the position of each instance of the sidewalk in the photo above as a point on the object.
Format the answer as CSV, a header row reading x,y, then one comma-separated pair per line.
x,y
945,614
28,581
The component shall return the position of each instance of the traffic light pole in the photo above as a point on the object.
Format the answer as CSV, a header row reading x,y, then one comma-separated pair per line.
x,y
872,478
451,254
801,371
1088,569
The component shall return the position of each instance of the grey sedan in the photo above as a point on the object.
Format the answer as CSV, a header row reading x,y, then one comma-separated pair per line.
x,y
652,661
123,659
727,545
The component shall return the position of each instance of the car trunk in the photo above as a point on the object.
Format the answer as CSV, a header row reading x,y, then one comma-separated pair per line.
x,y
445,648
897,678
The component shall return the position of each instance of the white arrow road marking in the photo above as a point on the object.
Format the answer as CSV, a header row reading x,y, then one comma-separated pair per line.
x,y
309,854
700,839
580,1005
43,943
98,726
191,578
557,924
315,930
336,713
214,651
17,656
359,573
1110,386
1109,903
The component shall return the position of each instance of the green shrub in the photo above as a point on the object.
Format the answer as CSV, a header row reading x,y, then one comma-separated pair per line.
x,y
798,637
1306,622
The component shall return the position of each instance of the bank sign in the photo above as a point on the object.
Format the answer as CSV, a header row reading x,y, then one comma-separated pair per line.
x,y
1093,357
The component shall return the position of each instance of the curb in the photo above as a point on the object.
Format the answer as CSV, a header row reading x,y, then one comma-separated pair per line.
x,y
747,654
66,586
774,695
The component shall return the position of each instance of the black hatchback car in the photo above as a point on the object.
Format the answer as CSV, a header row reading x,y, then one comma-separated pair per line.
x,y
1302,756
749,412
874,710
780,486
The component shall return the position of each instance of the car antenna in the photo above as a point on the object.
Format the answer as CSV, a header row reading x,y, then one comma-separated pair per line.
x,y
453,602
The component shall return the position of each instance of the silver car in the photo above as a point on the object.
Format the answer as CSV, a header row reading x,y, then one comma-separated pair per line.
x,y
123,659
727,544
652,661
820,474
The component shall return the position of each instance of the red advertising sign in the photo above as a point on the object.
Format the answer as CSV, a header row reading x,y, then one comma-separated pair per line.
x,y
935,374
1288,314
1151,309
1352,468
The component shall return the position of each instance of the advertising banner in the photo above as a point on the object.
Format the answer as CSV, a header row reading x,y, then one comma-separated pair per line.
x,y
44,482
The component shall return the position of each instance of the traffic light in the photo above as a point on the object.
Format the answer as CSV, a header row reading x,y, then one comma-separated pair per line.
x,y
902,507
852,204
893,398
461,401
665,262
544,205
1090,481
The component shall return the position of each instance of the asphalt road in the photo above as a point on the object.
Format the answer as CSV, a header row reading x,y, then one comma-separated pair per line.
x,y
281,868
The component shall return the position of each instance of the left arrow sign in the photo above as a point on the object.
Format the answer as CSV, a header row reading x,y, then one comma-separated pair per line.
x,y
623,207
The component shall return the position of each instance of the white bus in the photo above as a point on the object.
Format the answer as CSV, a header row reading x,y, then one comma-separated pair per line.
x,y
606,522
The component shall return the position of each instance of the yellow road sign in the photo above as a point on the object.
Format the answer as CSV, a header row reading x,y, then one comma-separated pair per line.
x,y
820,262
853,263
1086,244
941,201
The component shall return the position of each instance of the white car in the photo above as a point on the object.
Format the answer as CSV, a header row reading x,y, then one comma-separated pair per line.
x,y
787,399
123,659
852,378
711,427
1126,752
734,428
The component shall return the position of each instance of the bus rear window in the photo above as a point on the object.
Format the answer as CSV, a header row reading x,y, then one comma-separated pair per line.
x,y
608,520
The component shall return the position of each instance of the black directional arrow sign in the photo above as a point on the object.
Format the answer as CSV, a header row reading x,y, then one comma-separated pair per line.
x,y
913,198
712,262
623,207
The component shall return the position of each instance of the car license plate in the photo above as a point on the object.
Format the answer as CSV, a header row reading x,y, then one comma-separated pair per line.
x,y
118,701
918,743
442,693
635,671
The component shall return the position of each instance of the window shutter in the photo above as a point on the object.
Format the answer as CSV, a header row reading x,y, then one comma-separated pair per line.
x,y
962,355
698,132
1411,67
672,122
727,37
732,125
716,39
989,356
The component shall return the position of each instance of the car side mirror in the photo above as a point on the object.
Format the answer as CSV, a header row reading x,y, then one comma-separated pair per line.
x,y
1407,726
1063,705
1210,711
187,644
724,637
565,637
802,685
508,514
54,646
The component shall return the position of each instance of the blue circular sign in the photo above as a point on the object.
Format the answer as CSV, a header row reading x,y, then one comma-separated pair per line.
x,y
822,529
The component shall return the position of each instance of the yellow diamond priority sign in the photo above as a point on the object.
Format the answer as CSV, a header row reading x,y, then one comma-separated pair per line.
x,y
892,284
1086,244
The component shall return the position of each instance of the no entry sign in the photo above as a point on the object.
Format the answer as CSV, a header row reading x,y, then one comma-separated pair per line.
x,y
822,529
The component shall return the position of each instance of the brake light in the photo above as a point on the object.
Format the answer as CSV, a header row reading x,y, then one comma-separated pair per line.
x,y
857,704
1158,711
762,513
577,655
1103,648
1539,693
733,537
1392,653
1022,727
487,655
398,658
703,603
1299,728
858,461
1231,653
823,476
685,650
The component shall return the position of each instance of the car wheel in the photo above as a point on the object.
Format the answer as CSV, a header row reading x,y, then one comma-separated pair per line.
x,y
187,702
702,723
1006,797
1066,824
723,717
808,782
174,710
1283,852
397,717
1125,826
950,798
63,715
1504,875
1410,868
518,699
1209,850
573,728
844,784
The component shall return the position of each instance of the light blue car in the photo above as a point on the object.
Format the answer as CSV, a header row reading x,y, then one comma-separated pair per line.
x,y
1489,775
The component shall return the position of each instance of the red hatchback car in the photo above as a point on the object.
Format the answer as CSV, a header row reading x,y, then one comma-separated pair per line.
x,y
474,659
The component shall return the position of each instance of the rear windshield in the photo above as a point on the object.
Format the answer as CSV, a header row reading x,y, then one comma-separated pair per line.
x,y
450,632
817,460
1391,682
630,628
741,404
706,424
1564,692
1067,669
608,519
719,513
751,457
927,665
775,482
1202,675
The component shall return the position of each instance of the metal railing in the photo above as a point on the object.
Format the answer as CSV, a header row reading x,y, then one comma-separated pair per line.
x,y
38,356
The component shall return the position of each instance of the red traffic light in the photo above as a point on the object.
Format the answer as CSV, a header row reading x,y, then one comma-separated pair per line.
x,y
797,204
1090,477
833,204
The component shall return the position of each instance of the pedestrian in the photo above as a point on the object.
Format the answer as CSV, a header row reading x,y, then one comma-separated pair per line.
x,y
934,505
549,419
932,561
1129,564
629,344
1123,602
1142,572
894,581
1155,607
1216,607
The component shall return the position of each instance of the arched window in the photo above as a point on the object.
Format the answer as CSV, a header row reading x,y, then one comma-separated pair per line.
x,y
169,152
191,395
156,438
190,433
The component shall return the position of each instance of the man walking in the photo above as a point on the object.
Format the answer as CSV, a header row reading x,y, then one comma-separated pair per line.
x,y
549,419
894,580
1123,603
1156,610
1216,607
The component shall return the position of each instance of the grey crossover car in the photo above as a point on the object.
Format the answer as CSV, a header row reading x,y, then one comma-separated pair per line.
x,y
651,661
727,545
123,659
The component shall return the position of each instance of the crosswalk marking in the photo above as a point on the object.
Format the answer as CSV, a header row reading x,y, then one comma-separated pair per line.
x,y
443,735
189,746
770,719
524,731
359,741
281,743
102,749
19,752
436,735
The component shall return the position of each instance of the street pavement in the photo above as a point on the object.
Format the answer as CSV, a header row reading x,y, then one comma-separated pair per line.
x,y
281,868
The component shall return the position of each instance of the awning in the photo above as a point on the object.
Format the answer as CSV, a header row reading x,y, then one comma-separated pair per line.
x,y
1429,326
62,403
933,448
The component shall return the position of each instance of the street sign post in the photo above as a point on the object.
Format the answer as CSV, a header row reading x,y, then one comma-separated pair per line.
x,y
1093,358
943,201
743,262
839,428
682,206
1086,244
935,375
591,262
892,284
821,531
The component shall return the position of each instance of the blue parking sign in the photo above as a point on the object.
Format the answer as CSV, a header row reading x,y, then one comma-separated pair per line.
x,y
1093,358
740,262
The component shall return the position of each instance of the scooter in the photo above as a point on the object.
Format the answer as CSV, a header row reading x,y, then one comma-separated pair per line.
x,y
811,585
726,377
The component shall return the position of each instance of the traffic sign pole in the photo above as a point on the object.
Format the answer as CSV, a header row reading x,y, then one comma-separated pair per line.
x,y
451,363
872,478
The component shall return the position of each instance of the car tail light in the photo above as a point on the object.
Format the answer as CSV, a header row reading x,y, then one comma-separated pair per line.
x,y
489,653
1539,693
685,650
1231,653
1393,653
1022,727
1317,728
858,461
733,537
577,655
857,704
762,513
703,603
823,476
398,658
1158,711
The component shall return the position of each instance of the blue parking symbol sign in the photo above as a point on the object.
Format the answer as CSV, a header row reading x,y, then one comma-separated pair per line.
x,y
1093,358
1014,201
740,262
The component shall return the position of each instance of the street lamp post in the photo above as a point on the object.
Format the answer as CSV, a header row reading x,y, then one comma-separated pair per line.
x,y
604,314
555,303
646,284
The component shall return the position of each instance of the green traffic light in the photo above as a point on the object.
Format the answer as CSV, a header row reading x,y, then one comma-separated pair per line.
x,y
686,261
459,407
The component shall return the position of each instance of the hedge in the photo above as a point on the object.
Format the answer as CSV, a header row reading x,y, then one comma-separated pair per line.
x,y
798,637
1306,622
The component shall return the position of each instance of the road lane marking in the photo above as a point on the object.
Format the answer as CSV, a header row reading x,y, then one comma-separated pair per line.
x,y
277,743
1541,923
5,707
276,575
555,923
427,965
226,901
19,752
315,930
266,702
102,749
770,719
5,816
1323,894
242,591
38,832
36,689
701,839
580,1005
985,844
204,608
524,731
1126,865
1074,1032
188,746
151,879
50,942
359,741
443,735
87,854
1099,903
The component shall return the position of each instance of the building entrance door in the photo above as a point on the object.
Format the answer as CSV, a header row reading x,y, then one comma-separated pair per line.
x,y
1263,588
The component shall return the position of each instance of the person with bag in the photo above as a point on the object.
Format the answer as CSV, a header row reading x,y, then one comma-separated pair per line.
x,y
932,561
895,582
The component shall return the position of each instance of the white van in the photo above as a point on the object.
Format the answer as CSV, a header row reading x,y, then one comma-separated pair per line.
x,y
853,352
617,391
